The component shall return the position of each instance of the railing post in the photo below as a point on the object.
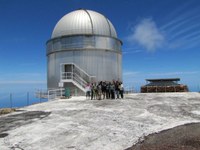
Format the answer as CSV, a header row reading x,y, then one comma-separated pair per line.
x,y
77,75
11,105
48,96
27,98
61,92
40,96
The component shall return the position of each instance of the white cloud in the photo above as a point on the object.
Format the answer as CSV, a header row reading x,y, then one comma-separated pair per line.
x,y
146,34
131,51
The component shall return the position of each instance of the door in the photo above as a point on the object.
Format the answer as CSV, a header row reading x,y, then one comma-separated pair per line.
x,y
68,69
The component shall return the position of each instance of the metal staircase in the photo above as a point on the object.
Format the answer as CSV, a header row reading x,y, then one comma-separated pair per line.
x,y
77,76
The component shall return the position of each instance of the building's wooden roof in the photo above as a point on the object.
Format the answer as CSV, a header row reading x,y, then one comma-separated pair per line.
x,y
167,79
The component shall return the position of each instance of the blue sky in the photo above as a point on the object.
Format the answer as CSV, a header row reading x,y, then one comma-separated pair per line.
x,y
161,39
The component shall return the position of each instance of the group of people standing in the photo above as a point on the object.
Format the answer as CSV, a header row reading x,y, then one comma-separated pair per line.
x,y
105,90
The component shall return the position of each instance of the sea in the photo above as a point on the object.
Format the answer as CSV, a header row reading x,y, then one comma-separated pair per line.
x,y
21,95
19,99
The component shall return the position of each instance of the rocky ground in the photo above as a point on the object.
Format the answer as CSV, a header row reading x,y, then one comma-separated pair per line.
x,y
80,124
185,137
4,111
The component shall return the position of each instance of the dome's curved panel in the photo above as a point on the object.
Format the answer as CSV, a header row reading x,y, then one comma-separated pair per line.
x,y
113,32
84,22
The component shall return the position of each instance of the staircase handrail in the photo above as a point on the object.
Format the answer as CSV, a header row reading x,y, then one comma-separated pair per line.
x,y
65,74
81,70
75,77
79,82
72,75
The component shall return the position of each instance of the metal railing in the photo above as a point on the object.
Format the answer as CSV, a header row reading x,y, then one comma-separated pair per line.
x,y
41,94
20,99
78,76
74,77
56,94
66,75
80,72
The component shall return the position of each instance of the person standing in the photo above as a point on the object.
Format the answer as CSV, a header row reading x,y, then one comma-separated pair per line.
x,y
103,89
88,91
107,90
121,90
112,90
117,89
92,91
99,89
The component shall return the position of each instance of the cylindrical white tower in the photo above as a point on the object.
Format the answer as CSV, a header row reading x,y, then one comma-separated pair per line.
x,y
83,48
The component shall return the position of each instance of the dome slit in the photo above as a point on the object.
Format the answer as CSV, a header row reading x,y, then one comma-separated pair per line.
x,y
90,20
108,26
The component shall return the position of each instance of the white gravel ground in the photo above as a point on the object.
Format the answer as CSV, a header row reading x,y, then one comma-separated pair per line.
x,y
80,124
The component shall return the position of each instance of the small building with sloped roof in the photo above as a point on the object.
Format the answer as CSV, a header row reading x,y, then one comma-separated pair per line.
x,y
163,85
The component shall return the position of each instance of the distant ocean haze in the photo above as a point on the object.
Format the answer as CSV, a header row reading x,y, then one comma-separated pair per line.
x,y
15,100
20,95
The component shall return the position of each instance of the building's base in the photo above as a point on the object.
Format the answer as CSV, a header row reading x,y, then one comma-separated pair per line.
x,y
159,89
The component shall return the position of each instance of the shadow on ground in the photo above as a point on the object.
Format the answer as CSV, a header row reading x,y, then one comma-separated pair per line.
x,y
14,121
185,137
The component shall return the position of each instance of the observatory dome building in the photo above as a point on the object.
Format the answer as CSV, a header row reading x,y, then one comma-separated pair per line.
x,y
83,48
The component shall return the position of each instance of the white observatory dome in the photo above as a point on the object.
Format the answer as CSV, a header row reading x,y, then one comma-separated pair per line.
x,y
84,22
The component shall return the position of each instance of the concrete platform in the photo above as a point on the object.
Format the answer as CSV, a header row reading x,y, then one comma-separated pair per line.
x,y
82,124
